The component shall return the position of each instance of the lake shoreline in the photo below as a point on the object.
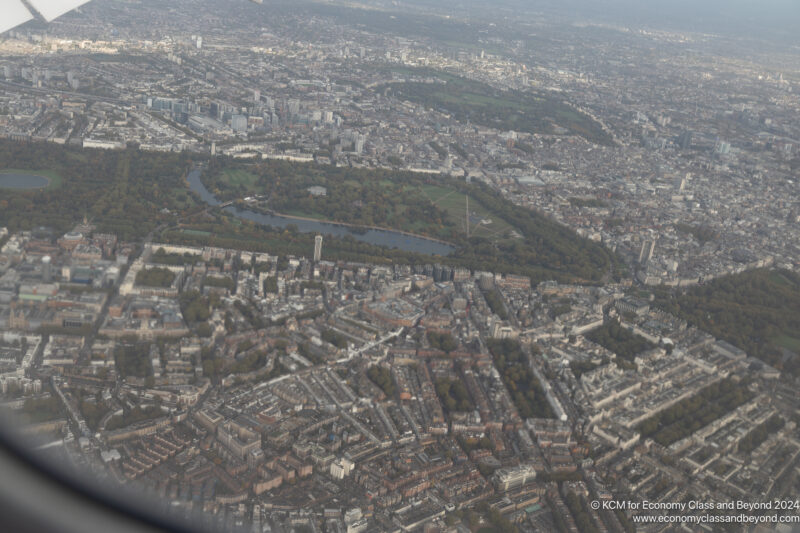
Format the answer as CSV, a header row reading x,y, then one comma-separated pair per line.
x,y
389,238
345,224
22,174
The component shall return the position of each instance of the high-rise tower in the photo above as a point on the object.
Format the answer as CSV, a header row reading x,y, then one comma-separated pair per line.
x,y
317,248
467,215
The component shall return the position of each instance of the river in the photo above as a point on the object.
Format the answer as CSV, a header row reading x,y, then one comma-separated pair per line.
x,y
388,238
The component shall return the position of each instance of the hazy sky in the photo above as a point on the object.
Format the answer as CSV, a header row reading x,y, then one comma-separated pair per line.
x,y
765,18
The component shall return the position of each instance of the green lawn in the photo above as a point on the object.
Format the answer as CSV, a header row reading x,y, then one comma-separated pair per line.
x,y
77,156
455,204
52,176
238,177
779,279
196,232
788,342
434,193
465,99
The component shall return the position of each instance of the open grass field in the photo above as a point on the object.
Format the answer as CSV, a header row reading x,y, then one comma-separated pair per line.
x,y
779,278
77,156
196,232
788,342
240,178
470,100
483,223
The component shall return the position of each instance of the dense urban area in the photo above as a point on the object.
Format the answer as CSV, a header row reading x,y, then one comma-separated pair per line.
x,y
323,267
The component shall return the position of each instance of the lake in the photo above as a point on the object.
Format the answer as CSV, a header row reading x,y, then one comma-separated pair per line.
x,y
13,180
387,238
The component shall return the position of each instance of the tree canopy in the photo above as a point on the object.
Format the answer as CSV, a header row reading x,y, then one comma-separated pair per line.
x,y
619,340
125,192
757,311
526,391
155,277
696,412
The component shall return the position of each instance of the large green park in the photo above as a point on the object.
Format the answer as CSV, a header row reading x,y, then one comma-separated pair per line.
x,y
496,236
471,101
758,311
133,193
128,193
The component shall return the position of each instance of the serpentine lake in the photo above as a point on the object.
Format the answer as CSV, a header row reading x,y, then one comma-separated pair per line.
x,y
388,238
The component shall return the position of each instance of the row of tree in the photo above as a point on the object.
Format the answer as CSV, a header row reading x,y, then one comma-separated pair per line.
x,y
442,341
696,412
495,302
526,391
382,377
760,433
579,511
453,395
220,282
155,277
335,338
161,257
612,336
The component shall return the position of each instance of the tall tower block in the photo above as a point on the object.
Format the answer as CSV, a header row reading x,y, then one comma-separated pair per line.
x,y
317,248
467,216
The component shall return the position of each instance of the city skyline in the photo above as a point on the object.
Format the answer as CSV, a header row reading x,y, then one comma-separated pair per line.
x,y
408,266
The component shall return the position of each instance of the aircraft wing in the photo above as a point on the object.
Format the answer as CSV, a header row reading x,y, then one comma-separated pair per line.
x,y
14,14
51,9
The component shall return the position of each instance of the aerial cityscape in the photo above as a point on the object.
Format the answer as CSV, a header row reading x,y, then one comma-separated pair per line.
x,y
406,266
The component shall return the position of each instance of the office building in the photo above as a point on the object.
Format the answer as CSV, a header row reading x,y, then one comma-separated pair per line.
x,y
646,252
506,479
239,123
